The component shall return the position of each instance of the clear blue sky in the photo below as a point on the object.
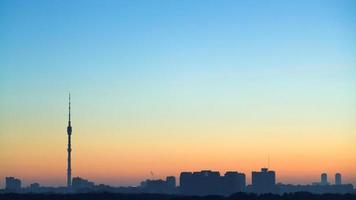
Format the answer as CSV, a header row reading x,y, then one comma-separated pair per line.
x,y
171,68
66,44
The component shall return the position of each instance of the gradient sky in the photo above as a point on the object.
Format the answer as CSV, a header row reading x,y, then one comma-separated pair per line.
x,y
171,86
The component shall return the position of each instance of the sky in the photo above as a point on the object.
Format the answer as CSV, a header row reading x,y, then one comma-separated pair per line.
x,y
169,86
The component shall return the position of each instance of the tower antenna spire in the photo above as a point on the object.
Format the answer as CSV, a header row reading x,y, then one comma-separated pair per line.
x,y
69,150
69,107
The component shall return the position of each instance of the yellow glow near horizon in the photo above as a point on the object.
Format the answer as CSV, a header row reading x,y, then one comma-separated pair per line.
x,y
126,156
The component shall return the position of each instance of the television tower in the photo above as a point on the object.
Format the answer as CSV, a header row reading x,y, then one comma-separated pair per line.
x,y
69,149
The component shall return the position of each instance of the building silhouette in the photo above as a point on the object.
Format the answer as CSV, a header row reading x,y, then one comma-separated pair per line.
x,y
167,186
264,181
315,188
171,181
324,179
79,183
338,179
200,183
34,187
69,150
207,182
234,182
12,184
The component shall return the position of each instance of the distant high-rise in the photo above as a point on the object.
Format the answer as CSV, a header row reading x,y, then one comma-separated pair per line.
x,y
234,182
171,181
81,183
323,179
12,184
207,182
200,183
167,186
69,149
338,179
264,181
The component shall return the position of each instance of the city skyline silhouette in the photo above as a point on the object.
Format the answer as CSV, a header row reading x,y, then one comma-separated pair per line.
x,y
161,88
204,182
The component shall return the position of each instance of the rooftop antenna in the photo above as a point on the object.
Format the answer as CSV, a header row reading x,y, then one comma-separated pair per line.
x,y
152,175
268,161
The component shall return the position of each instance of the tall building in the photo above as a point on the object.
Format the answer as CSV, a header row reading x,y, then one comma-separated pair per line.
x,y
69,150
34,186
323,179
167,186
264,181
12,184
338,179
208,182
234,182
171,181
81,183
200,183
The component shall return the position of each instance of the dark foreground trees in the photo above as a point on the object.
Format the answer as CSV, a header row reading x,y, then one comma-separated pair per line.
x,y
117,196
